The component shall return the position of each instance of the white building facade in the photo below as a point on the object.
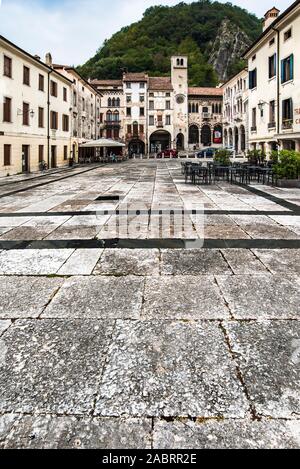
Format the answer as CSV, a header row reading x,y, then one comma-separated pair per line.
x,y
274,83
35,103
85,109
235,113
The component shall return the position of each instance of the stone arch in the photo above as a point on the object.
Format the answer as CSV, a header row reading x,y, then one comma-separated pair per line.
x,y
206,135
194,134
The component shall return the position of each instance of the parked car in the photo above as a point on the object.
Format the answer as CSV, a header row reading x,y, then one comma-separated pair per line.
x,y
207,152
168,154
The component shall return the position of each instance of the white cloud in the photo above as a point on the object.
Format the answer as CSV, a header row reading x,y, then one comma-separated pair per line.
x,y
73,30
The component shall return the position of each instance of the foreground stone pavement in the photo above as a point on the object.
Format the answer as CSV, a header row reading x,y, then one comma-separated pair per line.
x,y
148,345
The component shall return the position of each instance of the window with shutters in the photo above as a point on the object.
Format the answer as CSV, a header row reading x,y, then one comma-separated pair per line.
x,y
41,83
41,153
53,88
7,67
65,123
25,114
26,76
168,120
287,113
288,34
253,79
7,155
41,117
135,128
287,69
7,110
54,120
272,66
65,94
272,119
253,128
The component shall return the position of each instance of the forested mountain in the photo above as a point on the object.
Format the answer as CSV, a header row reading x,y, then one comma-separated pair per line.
x,y
213,34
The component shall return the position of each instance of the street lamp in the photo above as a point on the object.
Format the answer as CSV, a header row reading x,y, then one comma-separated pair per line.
x,y
261,107
30,112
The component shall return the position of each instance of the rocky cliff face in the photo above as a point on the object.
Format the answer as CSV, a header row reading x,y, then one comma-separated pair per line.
x,y
227,48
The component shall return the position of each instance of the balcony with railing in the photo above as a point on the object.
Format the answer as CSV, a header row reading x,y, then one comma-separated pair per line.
x,y
206,115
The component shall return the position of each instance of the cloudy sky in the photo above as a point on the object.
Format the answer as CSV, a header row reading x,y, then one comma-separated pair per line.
x,y
72,30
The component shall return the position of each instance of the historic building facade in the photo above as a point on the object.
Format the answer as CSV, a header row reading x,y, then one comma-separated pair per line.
x,y
35,103
205,107
274,82
112,113
85,108
159,113
235,113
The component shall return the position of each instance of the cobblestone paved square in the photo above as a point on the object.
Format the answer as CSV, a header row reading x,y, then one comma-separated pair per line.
x,y
138,323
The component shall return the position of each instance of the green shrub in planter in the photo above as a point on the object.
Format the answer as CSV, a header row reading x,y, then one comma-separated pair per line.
x,y
288,165
256,157
222,157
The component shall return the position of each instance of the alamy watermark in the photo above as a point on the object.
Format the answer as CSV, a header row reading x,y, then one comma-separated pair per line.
x,y
138,221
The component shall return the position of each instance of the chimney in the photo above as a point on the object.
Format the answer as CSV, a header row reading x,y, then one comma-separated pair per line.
x,y
48,59
270,17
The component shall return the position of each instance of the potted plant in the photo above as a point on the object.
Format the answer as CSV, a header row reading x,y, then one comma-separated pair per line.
x,y
287,169
222,157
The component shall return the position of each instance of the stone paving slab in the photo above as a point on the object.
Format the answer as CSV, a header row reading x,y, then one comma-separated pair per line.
x,y
268,354
7,423
74,232
98,297
28,233
81,262
33,262
128,262
280,261
260,231
261,296
225,232
183,297
12,221
193,262
4,325
227,434
52,366
163,368
243,261
26,297
51,432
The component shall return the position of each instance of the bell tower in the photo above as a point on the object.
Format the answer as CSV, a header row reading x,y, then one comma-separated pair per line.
x,y
179,76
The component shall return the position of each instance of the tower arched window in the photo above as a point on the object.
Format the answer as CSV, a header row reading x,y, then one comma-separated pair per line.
x,y
109,102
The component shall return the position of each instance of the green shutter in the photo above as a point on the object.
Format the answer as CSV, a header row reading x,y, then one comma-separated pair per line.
x,y
292,67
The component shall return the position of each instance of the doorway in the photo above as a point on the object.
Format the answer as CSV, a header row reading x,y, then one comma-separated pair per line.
x,y
53,156
25,159
180,142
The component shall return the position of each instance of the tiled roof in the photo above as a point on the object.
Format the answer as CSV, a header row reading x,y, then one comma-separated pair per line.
x,y
205,91
107,82
135,77
160,83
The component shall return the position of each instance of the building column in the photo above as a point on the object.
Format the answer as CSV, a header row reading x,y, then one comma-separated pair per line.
x,y
297,142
